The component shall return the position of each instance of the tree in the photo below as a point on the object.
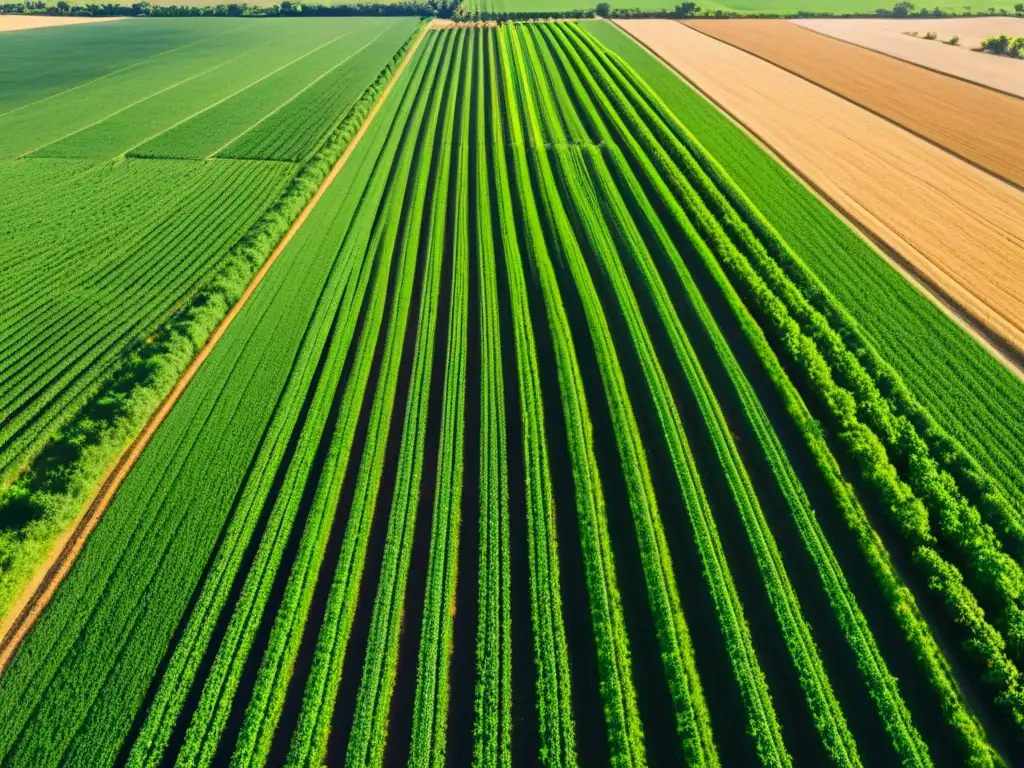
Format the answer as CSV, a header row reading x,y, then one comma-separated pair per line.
x,y
1019,8
604,10
687,9
902,8
62,6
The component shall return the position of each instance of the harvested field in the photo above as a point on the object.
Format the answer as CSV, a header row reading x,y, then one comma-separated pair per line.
x,y
974,123
890,36
958,228
18,23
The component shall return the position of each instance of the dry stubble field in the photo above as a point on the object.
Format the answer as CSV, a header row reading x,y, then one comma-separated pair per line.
x,y
958,228
31,21
889,36
977,124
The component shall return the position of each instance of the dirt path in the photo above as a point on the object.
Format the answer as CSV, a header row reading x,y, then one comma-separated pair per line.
x,y
891,37
976,124
21,22
37,593
958,230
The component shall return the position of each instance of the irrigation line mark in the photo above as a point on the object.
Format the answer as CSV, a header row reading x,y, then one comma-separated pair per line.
x,y
294,96
235,93
139,63
129,106
38,592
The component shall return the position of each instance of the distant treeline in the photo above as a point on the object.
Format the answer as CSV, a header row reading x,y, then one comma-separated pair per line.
x,y
440,8
690,9
461,14
448,9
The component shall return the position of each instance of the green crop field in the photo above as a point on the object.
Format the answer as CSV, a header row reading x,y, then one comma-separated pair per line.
x,y
557,435
140,163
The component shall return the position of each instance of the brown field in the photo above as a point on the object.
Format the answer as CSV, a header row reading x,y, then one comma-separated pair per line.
x,y
19,22
977,124
957,228
889,36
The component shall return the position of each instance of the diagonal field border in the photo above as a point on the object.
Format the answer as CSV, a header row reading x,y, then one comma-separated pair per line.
x,y
38,592
232,95
113,72
135,103
296,95
1010,357
867,108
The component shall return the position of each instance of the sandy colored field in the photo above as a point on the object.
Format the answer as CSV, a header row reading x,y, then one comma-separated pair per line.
x,y
19,22
971,31
957,228
977,124
889,36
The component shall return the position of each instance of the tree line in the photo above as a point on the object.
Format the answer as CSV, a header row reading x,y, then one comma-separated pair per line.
x,y
453,9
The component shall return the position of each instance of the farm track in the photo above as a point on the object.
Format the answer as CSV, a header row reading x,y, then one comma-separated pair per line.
x,y
709,520
22,614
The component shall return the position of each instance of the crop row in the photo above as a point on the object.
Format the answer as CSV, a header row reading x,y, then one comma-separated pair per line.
x,y
202,494
978,404
124,294
925,500
492,728
711,231
672,389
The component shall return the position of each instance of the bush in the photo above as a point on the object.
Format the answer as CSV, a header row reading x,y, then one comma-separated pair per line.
x,y
1004,46
930,35
954,40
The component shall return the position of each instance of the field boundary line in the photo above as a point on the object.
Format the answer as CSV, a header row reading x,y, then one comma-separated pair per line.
x,y
113,72
38,592
296,95
847,99
999,348
893,56
126,107
232,95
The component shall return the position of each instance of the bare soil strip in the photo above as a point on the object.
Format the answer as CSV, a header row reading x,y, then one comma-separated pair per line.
x,y
20,22
37,593
957,229
891,37
976,124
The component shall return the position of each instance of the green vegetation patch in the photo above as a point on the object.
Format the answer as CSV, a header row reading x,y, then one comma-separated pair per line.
x,y
968,391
